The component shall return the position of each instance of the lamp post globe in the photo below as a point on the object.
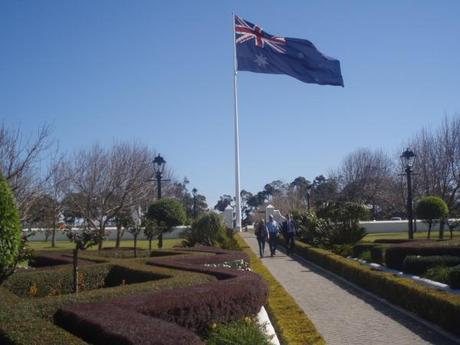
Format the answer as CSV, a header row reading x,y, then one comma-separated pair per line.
x,y
407,160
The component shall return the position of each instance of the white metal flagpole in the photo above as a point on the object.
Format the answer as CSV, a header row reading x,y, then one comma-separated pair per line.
x,y
237,134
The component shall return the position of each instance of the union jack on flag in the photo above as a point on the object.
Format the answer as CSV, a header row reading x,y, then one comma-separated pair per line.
x,y
257,51
249,31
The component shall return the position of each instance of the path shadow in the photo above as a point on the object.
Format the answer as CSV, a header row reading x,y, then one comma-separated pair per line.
x,y
415,326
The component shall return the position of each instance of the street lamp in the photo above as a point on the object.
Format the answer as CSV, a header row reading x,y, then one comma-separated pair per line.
x,y
158,168
407,160
194,193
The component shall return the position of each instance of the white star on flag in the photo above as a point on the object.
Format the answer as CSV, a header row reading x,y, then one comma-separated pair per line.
x,y
261,60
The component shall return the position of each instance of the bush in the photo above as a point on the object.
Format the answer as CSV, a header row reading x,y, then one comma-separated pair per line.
x,y
337,223
166,213
430,208
10,232
438,273
395,255
107,324
453,278
209,230
431,304
244,332
416,264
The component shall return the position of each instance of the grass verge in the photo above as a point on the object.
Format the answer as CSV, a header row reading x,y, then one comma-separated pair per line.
x,y
292,326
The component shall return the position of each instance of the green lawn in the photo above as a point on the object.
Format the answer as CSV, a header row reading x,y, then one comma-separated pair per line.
x,y
167,243
403,235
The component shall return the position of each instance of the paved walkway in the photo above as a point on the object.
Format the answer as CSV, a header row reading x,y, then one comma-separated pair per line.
x,y
343,314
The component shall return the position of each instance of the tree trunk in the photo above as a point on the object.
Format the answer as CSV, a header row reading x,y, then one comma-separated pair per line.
x,y
429,231
135,245
53,236
101,233
441,229
150,246
160,240
75,270
117,243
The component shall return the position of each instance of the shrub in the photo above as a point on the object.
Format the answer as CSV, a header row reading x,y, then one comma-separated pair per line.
x,y
416,264
107,324
209,230
344,250
430,208
438,273
10,232
244,332
337,223
395,255
453,278
167,213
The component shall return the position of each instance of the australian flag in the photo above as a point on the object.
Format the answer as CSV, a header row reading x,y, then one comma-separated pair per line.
x,y
260,52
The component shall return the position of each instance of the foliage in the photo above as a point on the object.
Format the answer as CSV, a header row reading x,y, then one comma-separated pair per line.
x,y
292,326
336,223
209,230
431,304
10,232
438,274
417,264
224,201
167,212
431,207
344,250
243,332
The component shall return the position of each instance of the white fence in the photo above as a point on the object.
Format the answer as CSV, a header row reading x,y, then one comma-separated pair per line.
x,y
40,234
395,226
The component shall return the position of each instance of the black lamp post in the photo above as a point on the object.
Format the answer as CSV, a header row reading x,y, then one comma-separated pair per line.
x,y
407,160
158,168
194,193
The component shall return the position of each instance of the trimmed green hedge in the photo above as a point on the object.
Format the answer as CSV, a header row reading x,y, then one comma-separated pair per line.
x,y
439,307
416,264
292,326
395,254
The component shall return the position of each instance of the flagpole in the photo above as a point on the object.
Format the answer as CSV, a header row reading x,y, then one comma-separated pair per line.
x,y
237,134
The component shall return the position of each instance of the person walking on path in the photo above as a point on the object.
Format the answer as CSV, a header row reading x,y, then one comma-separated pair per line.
x,y
262,236
273,231
290,234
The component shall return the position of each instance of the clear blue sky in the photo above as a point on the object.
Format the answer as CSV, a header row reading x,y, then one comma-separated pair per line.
x,y
160,72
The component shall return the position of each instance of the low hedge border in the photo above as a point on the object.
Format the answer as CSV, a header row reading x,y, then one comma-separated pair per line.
x,y
292,326
108,324
416,264
439,307
395,254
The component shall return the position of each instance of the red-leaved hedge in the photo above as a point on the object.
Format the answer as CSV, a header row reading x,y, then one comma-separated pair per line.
x,y
108,324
